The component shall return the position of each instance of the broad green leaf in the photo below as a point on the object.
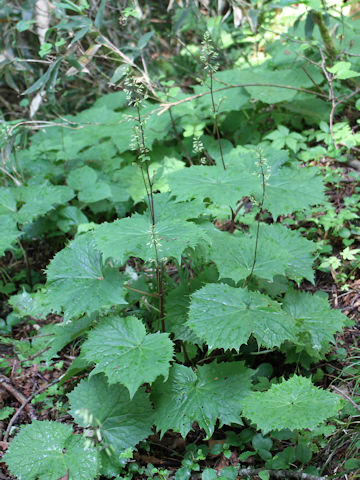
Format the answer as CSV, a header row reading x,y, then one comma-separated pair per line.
x,y
70,217
136,236
39,199
47,450
225,317
222,187
298,249
133,181
316,322
99,191
177,305
7,201
215,391
82,178
273,84
31,304
293,189
247,158
294,404
280,251
79,281
123,422
122,350
9,232
233,255
287,189
167,208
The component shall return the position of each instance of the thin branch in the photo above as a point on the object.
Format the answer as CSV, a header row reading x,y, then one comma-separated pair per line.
x,y
148,294
349,399
166,106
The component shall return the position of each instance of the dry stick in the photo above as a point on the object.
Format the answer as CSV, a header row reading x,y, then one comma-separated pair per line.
x,y
166,106
349,399
247,280
14,179
216,120
329,78
6,384
35,355
252,472
25,403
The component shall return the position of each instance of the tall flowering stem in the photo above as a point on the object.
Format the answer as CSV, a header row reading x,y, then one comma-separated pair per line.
x,y
136,95
208,58
264,174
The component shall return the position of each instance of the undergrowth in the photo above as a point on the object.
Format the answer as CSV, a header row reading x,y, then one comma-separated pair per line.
x,y
189,231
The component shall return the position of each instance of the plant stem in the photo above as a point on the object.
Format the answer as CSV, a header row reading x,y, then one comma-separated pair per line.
x,y
143,146
186,356
214,109
325,34
263,182
150,194
27,264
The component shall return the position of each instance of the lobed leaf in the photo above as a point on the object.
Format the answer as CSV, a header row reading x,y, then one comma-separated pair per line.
x,y
123,422
78,280
122,350
280,251
294,404
225,317
136,236
47,450
316,322
9,232
39,199
215,391
222,187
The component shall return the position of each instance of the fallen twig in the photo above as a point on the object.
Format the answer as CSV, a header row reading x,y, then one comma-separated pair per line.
x,y
25,403
35,355
251,472
6,384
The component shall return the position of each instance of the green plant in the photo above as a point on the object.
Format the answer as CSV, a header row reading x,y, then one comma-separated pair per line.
x,y
180,268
